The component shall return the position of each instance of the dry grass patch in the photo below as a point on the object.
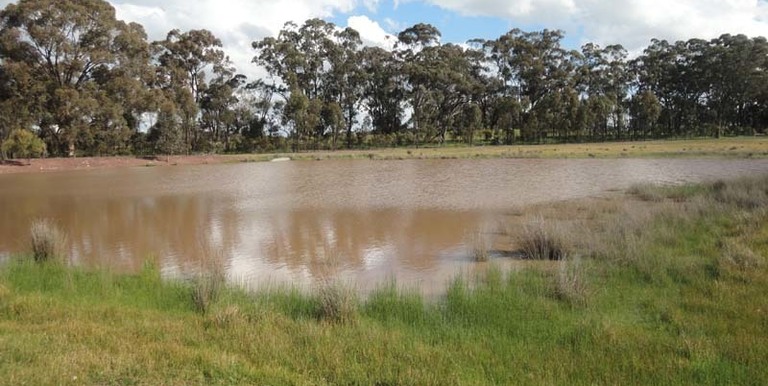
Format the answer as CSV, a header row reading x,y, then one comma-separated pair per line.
x,y
48,242
571,284
540,240
737,254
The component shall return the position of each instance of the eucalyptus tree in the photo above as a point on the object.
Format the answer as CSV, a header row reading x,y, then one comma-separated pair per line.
x,y
534,68
77,71
218,107
739,77
383,94
677,76
644,110
454,85
344,84
322,63
440,80
604,80
416,51
185,62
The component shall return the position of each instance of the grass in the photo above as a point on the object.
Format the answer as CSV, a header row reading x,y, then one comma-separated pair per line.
x,y
738,147
338,303
685,304
540,240
479,246
47,241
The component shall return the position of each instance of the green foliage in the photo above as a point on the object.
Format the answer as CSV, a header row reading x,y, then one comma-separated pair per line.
x,y
23,144
87,85
99,79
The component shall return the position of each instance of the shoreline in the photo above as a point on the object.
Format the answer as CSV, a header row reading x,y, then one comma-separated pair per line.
x,y
726,148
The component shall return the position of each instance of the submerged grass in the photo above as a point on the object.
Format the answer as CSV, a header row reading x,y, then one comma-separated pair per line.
x,y
683,304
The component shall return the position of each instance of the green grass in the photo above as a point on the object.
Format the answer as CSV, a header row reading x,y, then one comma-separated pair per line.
x,y
678,309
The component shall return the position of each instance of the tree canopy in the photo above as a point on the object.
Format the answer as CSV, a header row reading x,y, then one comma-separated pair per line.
x,y
86,83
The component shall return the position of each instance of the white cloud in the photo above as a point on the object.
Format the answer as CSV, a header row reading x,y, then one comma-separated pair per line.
x,y
236,22
629,22
371,5
371,32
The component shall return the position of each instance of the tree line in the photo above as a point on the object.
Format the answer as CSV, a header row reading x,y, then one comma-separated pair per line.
x,y
86,83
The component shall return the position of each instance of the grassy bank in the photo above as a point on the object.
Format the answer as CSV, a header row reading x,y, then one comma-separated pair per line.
x,y
666,286
741,147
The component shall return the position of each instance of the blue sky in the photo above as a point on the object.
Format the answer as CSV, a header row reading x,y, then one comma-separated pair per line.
x,y
455,27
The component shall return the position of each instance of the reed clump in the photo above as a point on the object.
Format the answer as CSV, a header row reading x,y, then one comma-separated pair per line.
x,y
48,241
540,240
208,286
479,247
337,303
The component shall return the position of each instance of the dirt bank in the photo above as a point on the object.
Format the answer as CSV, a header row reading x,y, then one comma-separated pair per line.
x,y
83,163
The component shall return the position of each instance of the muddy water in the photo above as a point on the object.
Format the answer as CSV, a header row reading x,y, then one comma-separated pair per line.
x,y
297,222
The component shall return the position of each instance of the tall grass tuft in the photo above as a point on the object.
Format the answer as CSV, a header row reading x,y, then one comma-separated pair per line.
x,y
207,287
48,242
205,291
571,285
337,303
542,241
479,247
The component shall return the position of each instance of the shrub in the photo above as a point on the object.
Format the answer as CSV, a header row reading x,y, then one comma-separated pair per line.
x,y
48,242
23,144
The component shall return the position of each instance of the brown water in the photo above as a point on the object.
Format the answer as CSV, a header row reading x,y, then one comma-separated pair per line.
x,y
296,222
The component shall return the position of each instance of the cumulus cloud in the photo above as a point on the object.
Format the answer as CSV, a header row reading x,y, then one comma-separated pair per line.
x,y
371,32
629,22
236,22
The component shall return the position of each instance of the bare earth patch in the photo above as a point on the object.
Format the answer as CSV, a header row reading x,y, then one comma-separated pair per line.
x,y
85,163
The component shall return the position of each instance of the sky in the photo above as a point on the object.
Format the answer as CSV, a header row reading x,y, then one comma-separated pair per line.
x,y
632,23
